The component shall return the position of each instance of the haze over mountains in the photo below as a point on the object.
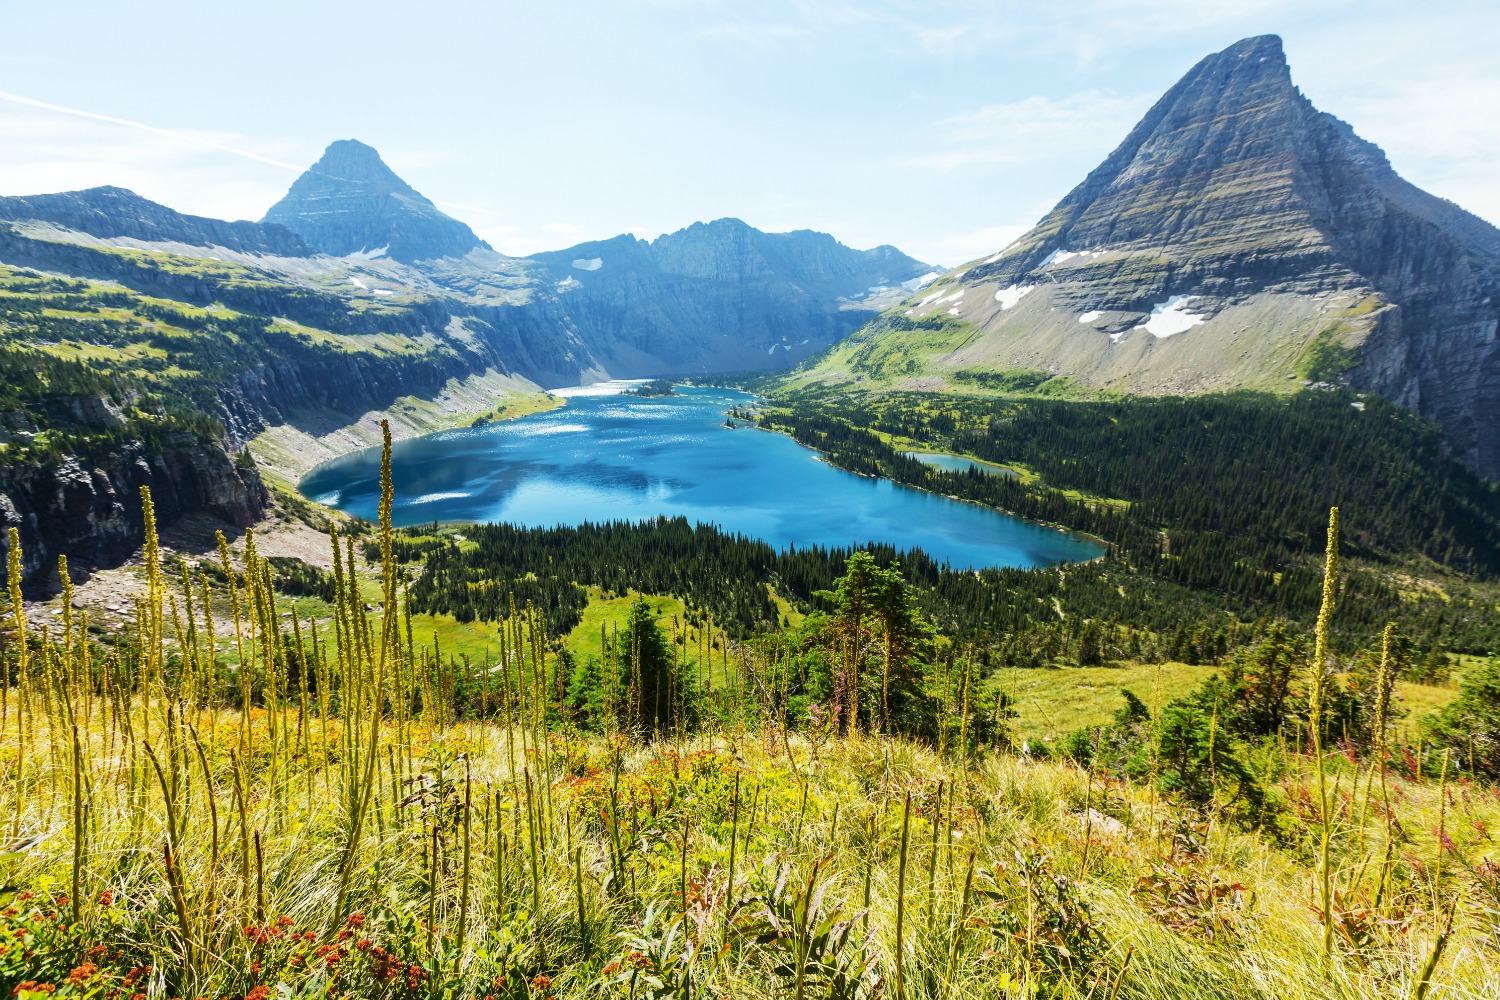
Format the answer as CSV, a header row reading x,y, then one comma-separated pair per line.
x,y
1238,237
716,297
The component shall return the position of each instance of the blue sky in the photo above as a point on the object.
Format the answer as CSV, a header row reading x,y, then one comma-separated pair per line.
x,y
944,127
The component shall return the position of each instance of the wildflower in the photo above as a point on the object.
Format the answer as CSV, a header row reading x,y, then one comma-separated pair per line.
x,y
83,973
542,983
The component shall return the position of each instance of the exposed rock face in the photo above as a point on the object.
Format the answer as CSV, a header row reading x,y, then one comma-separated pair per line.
x,y
1237,237
112,213
88,507
718,296
351,202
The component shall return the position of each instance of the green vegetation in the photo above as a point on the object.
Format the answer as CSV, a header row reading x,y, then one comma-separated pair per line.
x,y
1016,381
1204,503
88,365
1325,358
231,803
657,387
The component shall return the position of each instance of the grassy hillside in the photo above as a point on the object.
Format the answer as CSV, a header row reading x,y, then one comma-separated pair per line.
x,y
239,804
154,357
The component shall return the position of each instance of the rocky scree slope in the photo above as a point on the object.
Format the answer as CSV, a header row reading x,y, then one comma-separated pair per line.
x,y
1237,238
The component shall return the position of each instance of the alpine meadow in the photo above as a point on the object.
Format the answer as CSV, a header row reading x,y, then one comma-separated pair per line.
x,y
405,608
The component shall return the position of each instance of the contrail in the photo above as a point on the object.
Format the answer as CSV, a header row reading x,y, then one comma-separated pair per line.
x,y
184,137
180,136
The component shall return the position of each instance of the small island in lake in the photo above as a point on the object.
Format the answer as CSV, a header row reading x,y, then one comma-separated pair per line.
x,y
657,387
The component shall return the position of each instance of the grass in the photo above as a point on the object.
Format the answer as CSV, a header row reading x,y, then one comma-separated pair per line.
x,y
175,825
1052,703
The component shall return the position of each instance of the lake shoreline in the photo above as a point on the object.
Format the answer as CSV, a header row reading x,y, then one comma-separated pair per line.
x,y
626,459
1063,529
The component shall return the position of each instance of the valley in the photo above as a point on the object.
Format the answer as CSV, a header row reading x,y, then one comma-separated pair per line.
x,y
738,613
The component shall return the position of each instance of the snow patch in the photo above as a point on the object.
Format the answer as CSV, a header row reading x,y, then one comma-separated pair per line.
x,y
1002,253
917,284
1008,297
384,291
1060,256
1089,316
567,283
358,284
953,311
1172,317
589,263
938,299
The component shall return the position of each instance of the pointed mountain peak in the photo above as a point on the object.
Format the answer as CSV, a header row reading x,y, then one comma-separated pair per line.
x,y
1237,238
351,202
353,161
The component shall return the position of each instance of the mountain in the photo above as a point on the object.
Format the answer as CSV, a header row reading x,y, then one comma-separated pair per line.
x,y
714,297
115,213
720,296
141,346
350,202
1237,238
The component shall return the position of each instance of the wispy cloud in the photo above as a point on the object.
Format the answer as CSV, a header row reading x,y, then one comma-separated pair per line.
x,y
1031,130
195,138
204,173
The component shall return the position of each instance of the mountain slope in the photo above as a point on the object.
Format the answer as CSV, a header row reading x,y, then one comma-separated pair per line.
x,y
351,202
719,296
1238,237
115,213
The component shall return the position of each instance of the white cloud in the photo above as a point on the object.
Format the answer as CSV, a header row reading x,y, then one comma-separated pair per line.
x,y
1031,130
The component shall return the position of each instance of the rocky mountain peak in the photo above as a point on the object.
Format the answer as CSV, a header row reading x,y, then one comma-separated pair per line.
x,y
1237,238
351,202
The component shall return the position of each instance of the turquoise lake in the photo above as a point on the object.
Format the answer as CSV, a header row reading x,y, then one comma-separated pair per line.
x,y
606,457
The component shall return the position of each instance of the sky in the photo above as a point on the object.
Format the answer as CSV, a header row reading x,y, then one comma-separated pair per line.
x,y
943,127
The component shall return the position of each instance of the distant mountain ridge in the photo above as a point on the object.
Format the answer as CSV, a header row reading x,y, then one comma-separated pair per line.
x,y
1237,237
113,212
719,296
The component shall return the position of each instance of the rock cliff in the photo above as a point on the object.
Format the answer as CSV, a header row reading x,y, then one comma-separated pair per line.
x,y
87,506
1237,237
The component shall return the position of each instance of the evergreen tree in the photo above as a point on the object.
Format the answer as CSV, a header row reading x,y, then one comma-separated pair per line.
x,y
659,690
